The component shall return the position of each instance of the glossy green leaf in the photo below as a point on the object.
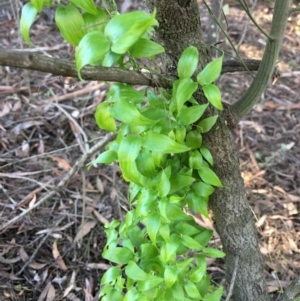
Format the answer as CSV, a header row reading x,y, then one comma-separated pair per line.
x,y
162,144
206,154
209,177
198,274
88,51
180,181
194,139
215,296
190,115
191,243
132,295
203,189
188,62
213,95
70,24
110,59
211,72
213,253
134,272
191,290
106,157
206,124
95,22
204,237
153,223
126,29
164,231
149,284
127,92
195,159
110,275
178,292
175,213
86,5
28,15
162,184
170,275
185,89
168,251
118,255
145,164
103,117
128,152
129,114
180,134
147,251
38,4
198,204
145,48
186,229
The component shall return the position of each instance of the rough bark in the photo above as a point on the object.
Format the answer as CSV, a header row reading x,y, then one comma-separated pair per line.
x,y
180,27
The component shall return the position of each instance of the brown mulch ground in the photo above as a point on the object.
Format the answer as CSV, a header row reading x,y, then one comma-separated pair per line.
x,y
47,124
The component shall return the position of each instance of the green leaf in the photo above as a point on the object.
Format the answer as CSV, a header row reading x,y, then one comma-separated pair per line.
x,y
132,295
178,292
127,92
198,274
134,272
202,189
29,13
198,204
162,144
88,50
86,5
180,134
185,89
126,29
204,237
206,154
153,223
209,177
129,114
175,213
206,124
145,48
103,117
215,296
170,275
118,255
168,251
95,22
211,72
106,157
162,184
190,115
193,139
186,229
191,243
195,159
213,95
110,59
191,290
128,152
149,284
213,253
180,181
188,62
145,164
70,23
110,275
38,4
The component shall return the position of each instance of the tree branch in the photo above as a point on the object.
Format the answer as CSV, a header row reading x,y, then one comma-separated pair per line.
x,y
259,84
292,293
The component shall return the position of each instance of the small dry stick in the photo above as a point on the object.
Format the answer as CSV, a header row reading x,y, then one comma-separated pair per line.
x,y
79,163
233,278
39,246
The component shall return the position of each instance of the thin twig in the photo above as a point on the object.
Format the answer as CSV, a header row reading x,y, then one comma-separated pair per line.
x,y
79,163
39,246
232,282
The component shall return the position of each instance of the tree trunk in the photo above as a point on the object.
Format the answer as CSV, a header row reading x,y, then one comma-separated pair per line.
x,y
179,28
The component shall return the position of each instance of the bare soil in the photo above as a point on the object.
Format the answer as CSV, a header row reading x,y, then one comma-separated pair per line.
x,y
47,125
